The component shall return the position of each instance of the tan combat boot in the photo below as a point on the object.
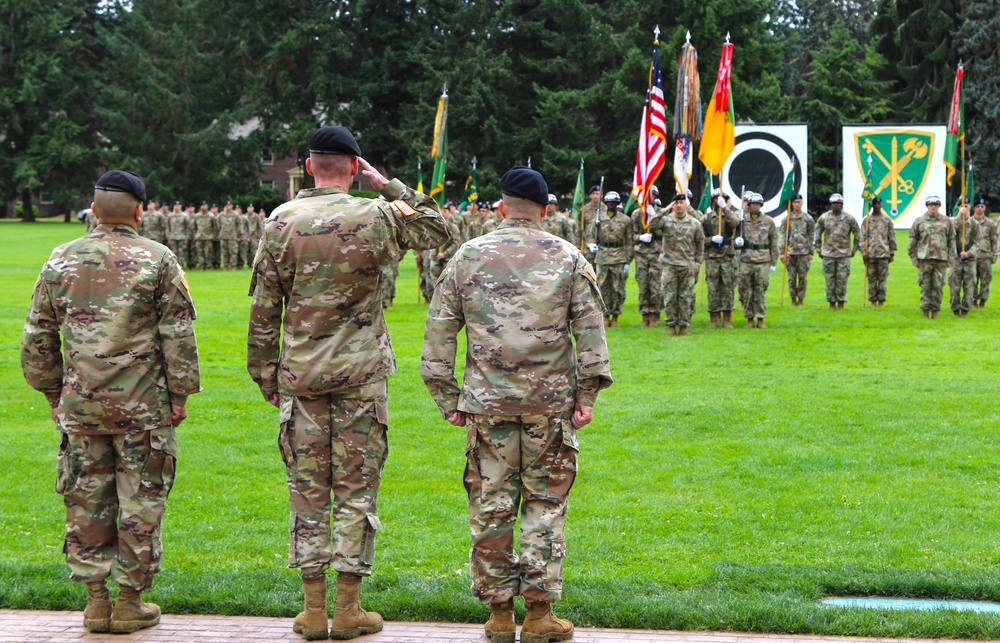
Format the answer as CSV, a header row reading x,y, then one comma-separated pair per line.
x,y
760,323
840,305
934,314
927,314
349,620
97,615
131,614
654,319
542,626
671,330
833,306
614,321
715,320
501,627
683,330
607,322
645,319
727,319
750,323
311,622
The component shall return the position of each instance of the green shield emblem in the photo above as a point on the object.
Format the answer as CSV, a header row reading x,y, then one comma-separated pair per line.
x,y
901,161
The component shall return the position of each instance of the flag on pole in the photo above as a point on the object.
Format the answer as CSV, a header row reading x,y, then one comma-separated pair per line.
x,y
439,149
788,189
868,193
687,114
969,193
956,126
420,178
719,134
471,193
651,154
706,196
579,194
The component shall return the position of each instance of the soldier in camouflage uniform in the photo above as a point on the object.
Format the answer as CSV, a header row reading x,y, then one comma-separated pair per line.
x,y
987,249
441,255
878,249
483,223
229,230
719,226
91,220
835,230
648,270
154,224
588,214
216,239
797,249
204,232
520,294
758,245
613,252
243,231
177,233
962,273
254,228
931,249
682,250
557,223
328,372
118,389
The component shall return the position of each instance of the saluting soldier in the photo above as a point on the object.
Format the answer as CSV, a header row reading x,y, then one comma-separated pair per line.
x,y
797,249
987,248
758,245
118,383
833,236
682,250
719,226
520,294
613,251
931,248
646,245
878,249
962,275
327,371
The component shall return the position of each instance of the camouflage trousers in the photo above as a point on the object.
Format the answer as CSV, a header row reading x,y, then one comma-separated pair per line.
x,y
877,271
389,274
962,285
648,274
678,293
230,252
426,280
836,270
251,251
334,448
798,275
611,281
180,249
720,277
243,257
115,489
526,462
754,279
203,253
217,254
930,277
984,275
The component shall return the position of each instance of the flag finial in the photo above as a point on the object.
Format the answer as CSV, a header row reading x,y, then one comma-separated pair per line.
x,y
869,160
727,37
688,37
444,89
418,162
656,32
960,64
473,162
529,161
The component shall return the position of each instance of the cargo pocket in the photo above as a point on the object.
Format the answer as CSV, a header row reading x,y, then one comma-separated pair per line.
x,y
472,478
64,474
160,467
563,472
377,447
286,417
372,525
554,566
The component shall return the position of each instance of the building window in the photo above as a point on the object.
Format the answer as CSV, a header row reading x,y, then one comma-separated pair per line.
x,y
45,198
267,157
267,183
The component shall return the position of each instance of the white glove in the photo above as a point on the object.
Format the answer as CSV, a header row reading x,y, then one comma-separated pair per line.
x,y
646,238
773,268
592,247
626,270
718,238
738,242
720,202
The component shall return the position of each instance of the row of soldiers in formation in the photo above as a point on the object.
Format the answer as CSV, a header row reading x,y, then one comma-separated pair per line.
x,y
740,248
204,238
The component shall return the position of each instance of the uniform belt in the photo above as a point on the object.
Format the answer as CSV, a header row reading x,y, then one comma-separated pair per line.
x,y
610,245
756,246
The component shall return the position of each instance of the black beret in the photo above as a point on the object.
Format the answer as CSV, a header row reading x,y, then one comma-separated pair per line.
x,y
877,199
333,139
678,197
979,201
596,188
525,183
122,181
796,197
204,202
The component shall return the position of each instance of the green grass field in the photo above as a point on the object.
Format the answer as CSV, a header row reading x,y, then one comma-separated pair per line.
x,y
729,480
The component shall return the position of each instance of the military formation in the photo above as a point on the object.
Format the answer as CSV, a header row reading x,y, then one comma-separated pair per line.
x,y
203,238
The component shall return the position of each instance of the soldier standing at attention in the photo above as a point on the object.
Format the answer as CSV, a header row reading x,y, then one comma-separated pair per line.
x,y
797,249
931,249
177,223
719,225
204,233
613,250
557,223
588,213
118,390
835,230
216,238
229,224
316,278
520,294
648,270
758,245
878,249
255,227
962,275
682,250
986,249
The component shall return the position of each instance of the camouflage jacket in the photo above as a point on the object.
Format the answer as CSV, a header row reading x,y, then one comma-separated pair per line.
x,y
255,226
229,225
124,311
801,227
878,237
648,251
177,225
154,226
986,242
683,240
560,225
760,239
833,234
478,227
244,227
204,226
450,247
316,287
587,211
710,226
614,239
967,236
932,237
532,312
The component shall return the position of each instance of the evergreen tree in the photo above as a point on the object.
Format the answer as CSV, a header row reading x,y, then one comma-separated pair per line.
x,y
976,42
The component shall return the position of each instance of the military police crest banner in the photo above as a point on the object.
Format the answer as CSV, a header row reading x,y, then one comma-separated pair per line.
x,y
907,167
762,157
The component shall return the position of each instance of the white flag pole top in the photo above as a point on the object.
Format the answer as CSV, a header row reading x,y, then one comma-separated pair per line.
x,y
656,32
869,161
473,162
581,162
688,37
444,89
727,37
418,163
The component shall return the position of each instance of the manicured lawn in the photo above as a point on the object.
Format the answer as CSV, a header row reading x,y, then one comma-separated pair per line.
x,y
730,479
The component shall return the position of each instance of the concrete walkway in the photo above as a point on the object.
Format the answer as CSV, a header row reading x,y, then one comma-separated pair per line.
x,y
35,627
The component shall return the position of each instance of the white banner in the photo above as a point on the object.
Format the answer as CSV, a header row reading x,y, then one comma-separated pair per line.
x,y
907,166
762,158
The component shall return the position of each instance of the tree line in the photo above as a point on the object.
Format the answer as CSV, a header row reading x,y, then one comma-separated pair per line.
x,y
189,92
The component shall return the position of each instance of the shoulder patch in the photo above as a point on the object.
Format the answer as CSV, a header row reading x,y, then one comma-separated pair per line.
x,y
590,272
405,208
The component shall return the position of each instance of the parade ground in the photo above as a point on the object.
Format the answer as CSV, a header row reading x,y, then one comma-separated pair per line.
x,y
730,479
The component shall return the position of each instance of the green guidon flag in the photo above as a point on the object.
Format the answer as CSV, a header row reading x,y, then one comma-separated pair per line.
x,y
901,163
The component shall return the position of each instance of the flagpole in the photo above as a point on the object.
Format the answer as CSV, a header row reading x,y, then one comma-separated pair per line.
x,y
784,261
868,236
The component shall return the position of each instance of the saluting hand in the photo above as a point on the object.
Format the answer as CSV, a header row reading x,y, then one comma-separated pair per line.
x,y
374,176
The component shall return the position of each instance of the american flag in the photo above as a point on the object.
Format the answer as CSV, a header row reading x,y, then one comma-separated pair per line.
x,y
651,155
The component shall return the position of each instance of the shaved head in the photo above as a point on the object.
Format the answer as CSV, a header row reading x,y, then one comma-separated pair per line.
x,y
332,167
517,208
115,207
